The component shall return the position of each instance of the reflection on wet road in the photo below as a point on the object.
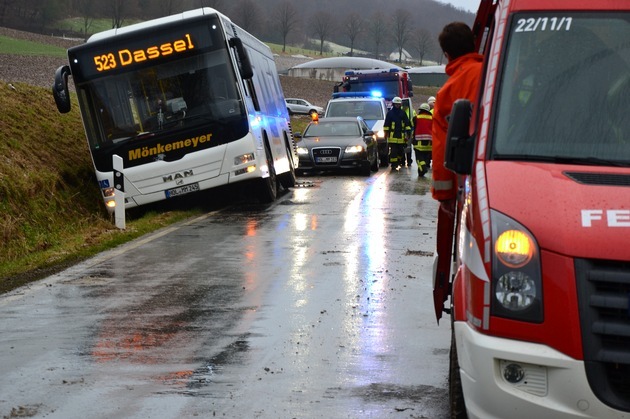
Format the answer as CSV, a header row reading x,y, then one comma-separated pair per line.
x,y
318,306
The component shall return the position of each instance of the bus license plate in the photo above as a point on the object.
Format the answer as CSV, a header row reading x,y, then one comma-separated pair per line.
x,y
182,190
326,159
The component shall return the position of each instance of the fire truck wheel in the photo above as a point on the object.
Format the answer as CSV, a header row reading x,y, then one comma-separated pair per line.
x,y
456,395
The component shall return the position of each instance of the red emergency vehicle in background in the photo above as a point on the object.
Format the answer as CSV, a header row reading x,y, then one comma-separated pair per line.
x,y
385,83
540,281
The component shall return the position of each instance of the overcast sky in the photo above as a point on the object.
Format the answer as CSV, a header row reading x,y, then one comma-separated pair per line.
x,y
468,5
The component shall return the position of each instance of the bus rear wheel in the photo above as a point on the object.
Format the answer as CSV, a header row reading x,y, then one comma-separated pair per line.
x,y
287,180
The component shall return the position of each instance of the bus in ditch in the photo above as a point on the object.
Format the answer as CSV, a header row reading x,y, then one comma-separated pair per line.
x,y
188,102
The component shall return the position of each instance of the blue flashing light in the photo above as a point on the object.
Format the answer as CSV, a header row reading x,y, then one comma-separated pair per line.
x,y
337,95
376,93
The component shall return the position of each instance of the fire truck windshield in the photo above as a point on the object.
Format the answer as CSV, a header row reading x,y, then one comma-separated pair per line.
x,y
559,70
381,88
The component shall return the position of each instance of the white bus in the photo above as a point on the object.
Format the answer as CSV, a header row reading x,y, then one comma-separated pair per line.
x,y
189,102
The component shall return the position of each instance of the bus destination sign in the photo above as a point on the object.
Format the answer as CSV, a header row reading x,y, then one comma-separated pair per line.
x,y
124,57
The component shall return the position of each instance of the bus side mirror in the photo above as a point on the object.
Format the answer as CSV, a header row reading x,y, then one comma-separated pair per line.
x,y
60,89
460,145
245,66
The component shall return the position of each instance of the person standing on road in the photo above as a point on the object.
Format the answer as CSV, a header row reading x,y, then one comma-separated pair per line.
x,y
422,139
464,70
397,129
431,102
411,114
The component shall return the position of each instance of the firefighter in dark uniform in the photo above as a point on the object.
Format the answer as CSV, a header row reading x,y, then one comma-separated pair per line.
x,y
397,129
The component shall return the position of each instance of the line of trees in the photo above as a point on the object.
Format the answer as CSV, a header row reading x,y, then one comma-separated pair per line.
x,y
376,29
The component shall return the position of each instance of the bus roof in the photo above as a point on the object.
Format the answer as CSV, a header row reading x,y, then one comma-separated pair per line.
x,y
155,22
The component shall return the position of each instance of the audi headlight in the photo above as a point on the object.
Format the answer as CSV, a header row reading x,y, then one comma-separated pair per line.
x,y
351,149
380,134
516,273
302,151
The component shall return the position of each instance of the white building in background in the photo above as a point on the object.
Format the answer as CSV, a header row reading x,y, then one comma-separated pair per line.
x,y
334,68
406,57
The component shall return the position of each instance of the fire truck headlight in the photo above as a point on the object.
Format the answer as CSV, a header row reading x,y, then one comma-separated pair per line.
x,y
514,247
516,272
515,291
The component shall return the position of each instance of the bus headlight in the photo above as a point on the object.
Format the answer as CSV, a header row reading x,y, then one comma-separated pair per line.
x,y
516,272
108,192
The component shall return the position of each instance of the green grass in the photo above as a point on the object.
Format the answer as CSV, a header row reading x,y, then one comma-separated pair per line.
x,y
76,25
23,47
52,211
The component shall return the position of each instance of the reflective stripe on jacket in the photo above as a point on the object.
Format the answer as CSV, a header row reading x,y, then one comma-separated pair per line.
x,y
422,132
396,125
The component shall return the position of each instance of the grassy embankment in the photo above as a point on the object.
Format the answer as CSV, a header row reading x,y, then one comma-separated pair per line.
x,y
52,212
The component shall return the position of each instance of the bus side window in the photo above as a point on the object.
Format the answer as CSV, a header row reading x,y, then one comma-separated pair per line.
x,y
249,83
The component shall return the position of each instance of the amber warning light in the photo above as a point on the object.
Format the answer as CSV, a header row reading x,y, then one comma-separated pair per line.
x,y
125,57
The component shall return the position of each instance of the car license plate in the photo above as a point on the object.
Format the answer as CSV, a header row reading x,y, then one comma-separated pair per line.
x,y
326,159
182,190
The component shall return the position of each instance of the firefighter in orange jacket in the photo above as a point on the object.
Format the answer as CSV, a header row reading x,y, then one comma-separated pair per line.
x,y
464,71
422,144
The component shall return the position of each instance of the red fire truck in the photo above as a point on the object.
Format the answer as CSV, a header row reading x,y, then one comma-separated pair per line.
x,y
386,83
538,287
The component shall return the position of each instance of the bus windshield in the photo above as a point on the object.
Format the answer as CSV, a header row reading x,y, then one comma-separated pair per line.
x,y
566,90
135,98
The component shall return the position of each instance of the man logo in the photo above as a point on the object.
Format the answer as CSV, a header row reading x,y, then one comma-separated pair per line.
x,y
177,176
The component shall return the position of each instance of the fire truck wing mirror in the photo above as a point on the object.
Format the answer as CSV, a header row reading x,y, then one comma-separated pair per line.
x,y
245,66
60,89
459,143
410,88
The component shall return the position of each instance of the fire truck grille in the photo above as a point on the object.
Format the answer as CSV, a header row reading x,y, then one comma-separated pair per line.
x,y
604,301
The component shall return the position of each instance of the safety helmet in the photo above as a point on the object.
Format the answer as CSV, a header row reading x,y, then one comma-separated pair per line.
x,y
397,100
425,107
431,99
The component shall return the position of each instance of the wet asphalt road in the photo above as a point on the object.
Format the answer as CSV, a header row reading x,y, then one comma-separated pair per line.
x,y
318,306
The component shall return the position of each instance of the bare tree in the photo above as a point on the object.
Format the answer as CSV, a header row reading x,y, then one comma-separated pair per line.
x,y
87,10
168,7
286,17
322,26
352,28
423,43
116,10
247,15
215,4
377,32
401,30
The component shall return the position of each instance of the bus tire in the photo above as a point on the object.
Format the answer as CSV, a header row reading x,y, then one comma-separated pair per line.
x,y
457,405
268,187
287,180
